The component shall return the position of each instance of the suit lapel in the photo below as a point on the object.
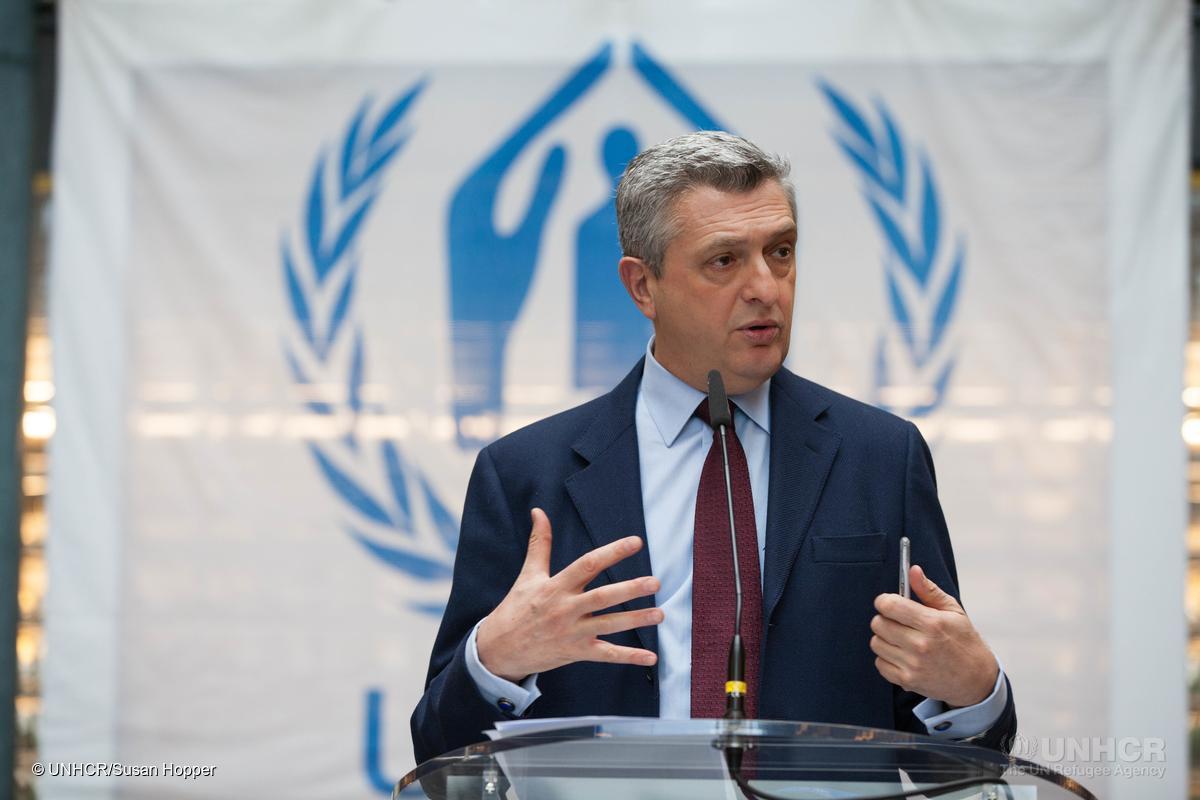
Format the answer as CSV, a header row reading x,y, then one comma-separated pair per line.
x,y
607,493
802,452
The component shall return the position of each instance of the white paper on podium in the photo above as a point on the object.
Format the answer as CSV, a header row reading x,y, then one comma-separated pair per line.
x,y
524,785
615,725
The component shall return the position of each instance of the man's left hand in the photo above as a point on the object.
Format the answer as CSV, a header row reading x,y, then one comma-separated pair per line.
x,y
931,649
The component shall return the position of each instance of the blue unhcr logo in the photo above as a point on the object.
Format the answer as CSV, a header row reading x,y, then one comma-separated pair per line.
x,y
490,273
405,525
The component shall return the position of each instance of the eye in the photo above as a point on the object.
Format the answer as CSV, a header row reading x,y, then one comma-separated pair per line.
x,y
722,261
784,251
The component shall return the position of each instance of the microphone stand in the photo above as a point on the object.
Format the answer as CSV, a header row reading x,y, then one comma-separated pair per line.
x,y
736,688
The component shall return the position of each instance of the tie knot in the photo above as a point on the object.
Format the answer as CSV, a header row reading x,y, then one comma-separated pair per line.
x,y
702,412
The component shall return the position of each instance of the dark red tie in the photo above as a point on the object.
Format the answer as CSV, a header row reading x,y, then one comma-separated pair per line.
x,y
712,578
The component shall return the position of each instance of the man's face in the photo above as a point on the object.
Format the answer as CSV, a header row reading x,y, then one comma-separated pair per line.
x,y
724,300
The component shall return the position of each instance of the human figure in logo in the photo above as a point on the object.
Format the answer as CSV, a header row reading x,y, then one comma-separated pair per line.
x,y
490,271
610,334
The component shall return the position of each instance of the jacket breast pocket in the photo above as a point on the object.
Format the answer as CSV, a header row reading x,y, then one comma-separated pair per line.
x,y
865,548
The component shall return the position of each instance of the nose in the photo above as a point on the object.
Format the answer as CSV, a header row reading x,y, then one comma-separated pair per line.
x,y
762,285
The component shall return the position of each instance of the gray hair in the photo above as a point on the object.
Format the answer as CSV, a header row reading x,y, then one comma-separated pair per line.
x,y
659,175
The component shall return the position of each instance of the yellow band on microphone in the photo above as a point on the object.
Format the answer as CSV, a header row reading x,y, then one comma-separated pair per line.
x,y
735,687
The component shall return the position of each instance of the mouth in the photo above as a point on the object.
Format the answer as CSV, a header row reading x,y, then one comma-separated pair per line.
x,y
760,331
759,324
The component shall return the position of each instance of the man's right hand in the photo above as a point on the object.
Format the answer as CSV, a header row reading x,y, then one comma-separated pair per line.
x,y
546,622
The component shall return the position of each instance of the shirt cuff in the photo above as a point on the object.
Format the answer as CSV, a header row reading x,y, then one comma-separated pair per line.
x,y
511,698
968,721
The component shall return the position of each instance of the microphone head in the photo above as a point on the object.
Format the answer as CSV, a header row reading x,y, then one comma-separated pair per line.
x,y
718,403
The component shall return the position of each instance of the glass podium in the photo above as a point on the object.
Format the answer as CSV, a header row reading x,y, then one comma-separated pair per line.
x,y
652,759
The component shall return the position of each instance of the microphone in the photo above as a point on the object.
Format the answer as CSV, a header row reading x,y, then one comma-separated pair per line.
x,y
735,685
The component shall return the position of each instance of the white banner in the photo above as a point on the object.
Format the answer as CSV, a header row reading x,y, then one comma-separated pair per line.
x,y
307,260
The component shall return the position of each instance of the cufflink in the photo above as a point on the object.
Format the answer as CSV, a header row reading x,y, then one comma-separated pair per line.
x,y
943,726
508,706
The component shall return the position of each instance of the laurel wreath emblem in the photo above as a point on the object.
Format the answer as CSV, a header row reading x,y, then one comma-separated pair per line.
x,y
394,512
924,274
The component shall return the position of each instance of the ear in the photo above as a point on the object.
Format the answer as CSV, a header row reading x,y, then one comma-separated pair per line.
x,y
640,283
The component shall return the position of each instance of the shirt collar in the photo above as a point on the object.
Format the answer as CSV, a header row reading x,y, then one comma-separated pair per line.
x,y
671,402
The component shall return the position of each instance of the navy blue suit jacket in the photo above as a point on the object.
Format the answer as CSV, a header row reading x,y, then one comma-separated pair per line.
x,y
846,482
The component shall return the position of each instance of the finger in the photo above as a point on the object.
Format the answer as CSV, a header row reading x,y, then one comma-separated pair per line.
x,y
537,557
891,672
584,569
603,624
894,633
609,653
614,594
905,611
888,651
930,593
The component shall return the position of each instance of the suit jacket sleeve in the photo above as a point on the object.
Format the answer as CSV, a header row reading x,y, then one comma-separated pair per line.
x,y
925,526
491,550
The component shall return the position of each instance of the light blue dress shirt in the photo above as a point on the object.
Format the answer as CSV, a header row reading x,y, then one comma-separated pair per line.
x,y
672,446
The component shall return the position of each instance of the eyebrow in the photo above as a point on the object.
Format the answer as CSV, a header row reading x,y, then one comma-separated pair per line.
x,y
734,241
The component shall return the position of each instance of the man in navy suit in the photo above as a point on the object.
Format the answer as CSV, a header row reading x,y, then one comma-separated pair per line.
x,y
581,534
